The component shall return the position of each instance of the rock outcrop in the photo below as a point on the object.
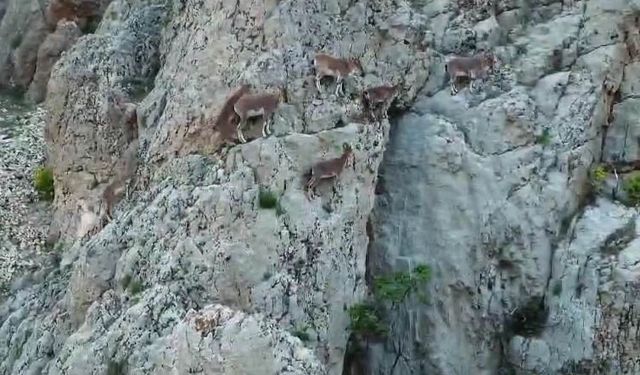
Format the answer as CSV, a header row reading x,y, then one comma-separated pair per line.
x,y
34,34
65,35
179,252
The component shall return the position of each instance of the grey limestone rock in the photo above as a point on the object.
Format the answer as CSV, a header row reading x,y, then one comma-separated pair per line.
x,y
491,188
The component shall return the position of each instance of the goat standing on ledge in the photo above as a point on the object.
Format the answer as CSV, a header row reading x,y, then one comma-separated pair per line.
x,y
254,105
329,66
374,96
224,122
328,169
473,67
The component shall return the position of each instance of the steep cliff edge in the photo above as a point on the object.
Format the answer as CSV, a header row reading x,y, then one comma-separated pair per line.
x,y
196,273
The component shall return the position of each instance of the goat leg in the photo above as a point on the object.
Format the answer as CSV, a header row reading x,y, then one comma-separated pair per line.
x,y
372,112
269,122
318,77
338,84
454,89
265,124
240,135
310,186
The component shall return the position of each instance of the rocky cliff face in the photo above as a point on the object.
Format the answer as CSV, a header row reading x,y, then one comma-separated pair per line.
x,y
34,34
196,272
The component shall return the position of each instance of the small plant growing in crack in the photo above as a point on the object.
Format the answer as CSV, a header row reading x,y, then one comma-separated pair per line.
x,y
598,175
632,188
43,183
134,287
267,199
544,138
367,320
399,285
125,281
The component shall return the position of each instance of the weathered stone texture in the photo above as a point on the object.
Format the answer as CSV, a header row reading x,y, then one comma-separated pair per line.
x,y
490,188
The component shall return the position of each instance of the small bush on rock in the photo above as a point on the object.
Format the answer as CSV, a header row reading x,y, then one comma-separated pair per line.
x,y
399,285
43,183
544,138
632,188
366,320
125,281
267,199
135,287
599,174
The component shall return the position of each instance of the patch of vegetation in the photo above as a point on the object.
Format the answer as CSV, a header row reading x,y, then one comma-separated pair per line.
x,y
557,288
544,138
301,333
367,320
43,183
135,287
399,285
597,177
267,199
599,174
125,281
632,188
116,367
530,319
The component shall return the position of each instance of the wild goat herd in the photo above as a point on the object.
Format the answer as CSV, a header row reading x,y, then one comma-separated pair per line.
x,y
242,105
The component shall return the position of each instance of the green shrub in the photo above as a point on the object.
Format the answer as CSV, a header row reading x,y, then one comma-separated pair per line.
x,y
632,188
399,285
267,199
135,287
43,183
126,280
366,320
544,138
599,174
